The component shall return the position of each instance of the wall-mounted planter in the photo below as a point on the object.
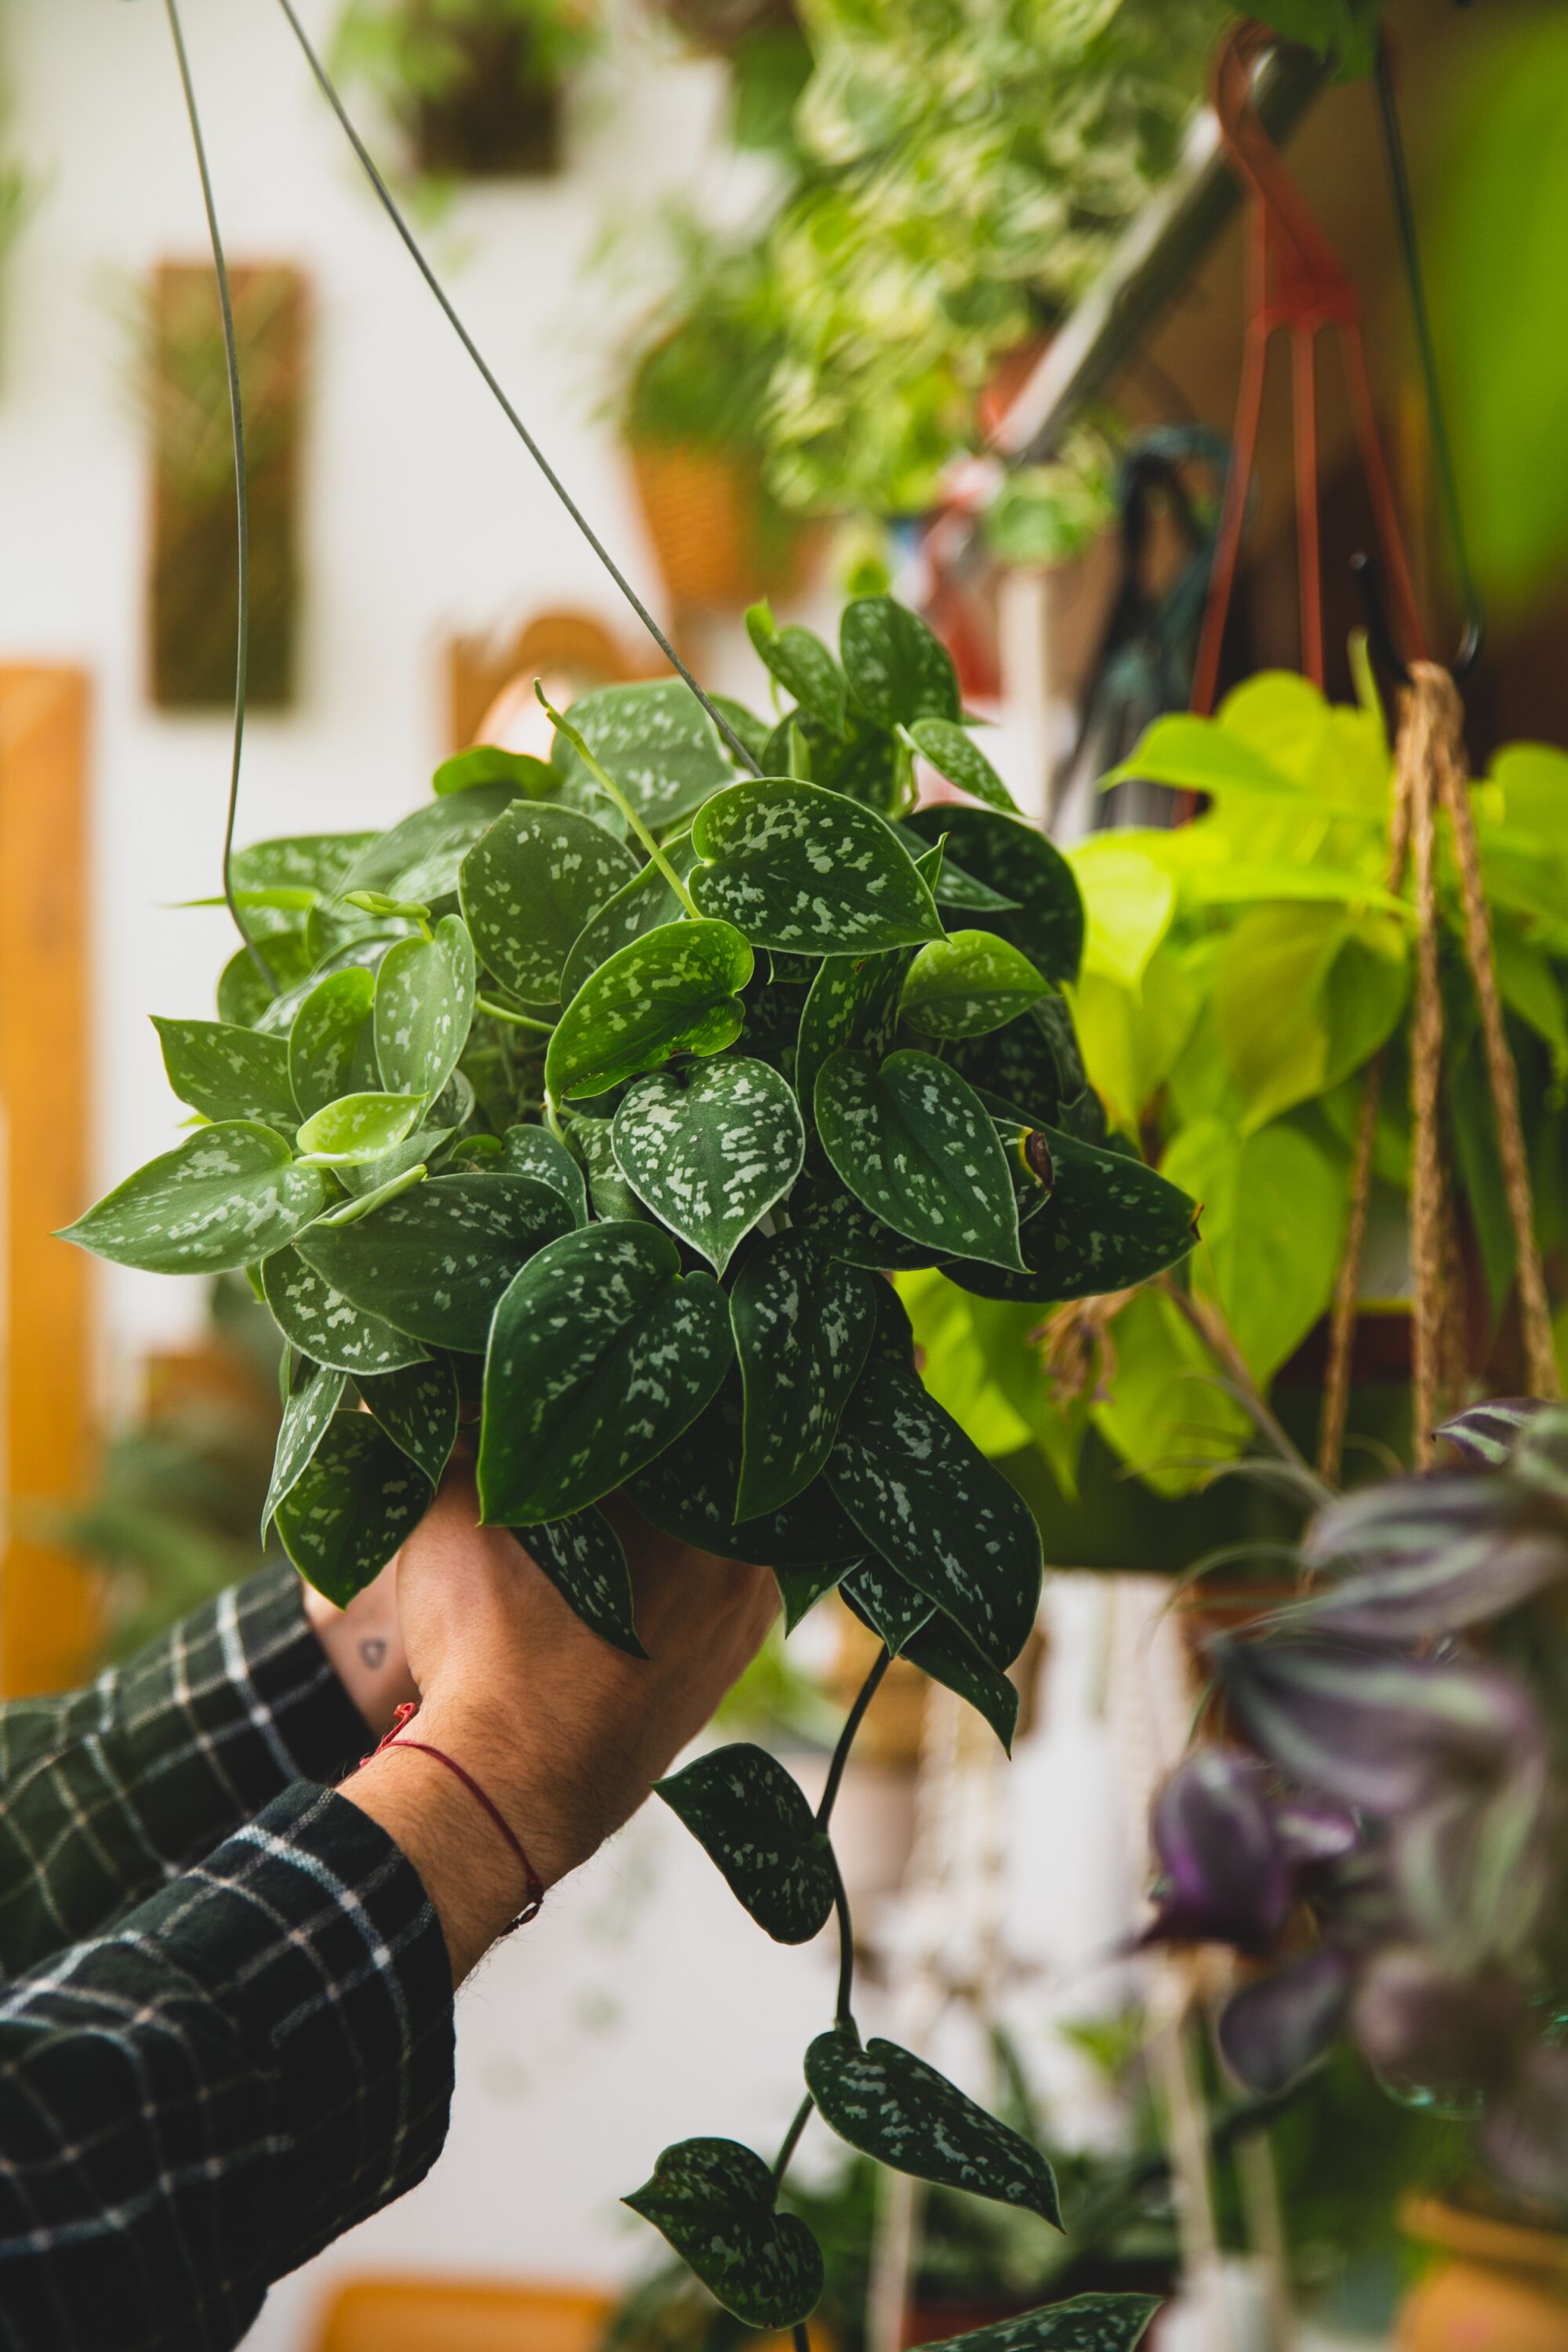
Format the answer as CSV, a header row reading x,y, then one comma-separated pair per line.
x,y
719,541
500,120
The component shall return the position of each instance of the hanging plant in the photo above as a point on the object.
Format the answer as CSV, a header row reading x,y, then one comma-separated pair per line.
x,y
620,1079
476,84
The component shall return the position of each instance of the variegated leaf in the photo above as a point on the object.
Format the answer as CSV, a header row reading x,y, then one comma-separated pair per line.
x,y
530,886
358,1129
802,665
228,1073
674,990
417,1407
643,904
221,1199
968,984
346,1515
891,2106
914,1144
803,1325
1016,859
423,1006
711,1148
954,753
899,672
887,1603
796,867
584,1558
329,1049
714,2200
748,1814
690,1492
1109,1222
853,1000
434,1262
327,1327
657,742
418,860
534,1151
308,1411
1084,2323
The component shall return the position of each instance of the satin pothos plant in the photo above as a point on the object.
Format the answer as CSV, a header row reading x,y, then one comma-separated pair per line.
x,y
591,1103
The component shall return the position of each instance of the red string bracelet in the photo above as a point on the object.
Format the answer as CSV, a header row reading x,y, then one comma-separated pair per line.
x,y
535,1884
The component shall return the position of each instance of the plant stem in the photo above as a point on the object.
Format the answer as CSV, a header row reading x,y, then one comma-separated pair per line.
x,y
792,2137
1216,1336
844,2016
602,776
857,1715
802,2335
517,1020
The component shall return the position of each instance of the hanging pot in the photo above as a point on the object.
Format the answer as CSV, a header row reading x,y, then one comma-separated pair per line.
x,y
719,541
1496,2283
500,118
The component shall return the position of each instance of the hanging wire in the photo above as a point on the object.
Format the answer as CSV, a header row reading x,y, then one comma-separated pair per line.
x,y
395,214
241,495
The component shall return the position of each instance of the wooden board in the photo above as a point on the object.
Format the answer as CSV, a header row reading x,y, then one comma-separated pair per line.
x,y
47,1616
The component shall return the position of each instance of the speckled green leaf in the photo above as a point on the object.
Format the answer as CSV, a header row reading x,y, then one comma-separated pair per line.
x,y
913,1143
657,742
364,954
534,1151
800,1589
803,1325
675,991
796,867
358,1129
865,762
898,671
423,1006
1016,858
1108,1223
641,905
310,861
530,886
713,2200
329,1053
937,1511
327,1327
853,1000
307,1412
243,993
222,1198
374,1182
346,1515
802,665
954,753
582,1558
600,1356
1018,1065
710,1148
891,2106
614,1200
227,1072
823,1208
418,860
939,1650
1085,2323
885,1601
955,888
417,1407
746,1811
690,1492
968,984
434,1262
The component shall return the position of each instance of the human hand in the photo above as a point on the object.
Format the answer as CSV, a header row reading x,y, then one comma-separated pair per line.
x,y
364,1643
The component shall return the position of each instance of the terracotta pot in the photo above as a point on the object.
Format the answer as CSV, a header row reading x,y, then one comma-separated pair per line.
x,y
719,544
1497,2287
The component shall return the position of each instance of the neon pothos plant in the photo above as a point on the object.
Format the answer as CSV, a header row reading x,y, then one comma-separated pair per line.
x,y
593,1099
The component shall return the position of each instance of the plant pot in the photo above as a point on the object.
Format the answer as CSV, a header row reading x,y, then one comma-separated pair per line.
x,y
718,541
500,121
1497,2286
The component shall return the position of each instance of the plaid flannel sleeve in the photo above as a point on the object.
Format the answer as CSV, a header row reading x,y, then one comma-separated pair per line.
x,y
107,1793
256,2057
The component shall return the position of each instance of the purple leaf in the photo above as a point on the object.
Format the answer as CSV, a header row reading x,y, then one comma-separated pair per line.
x,y
1541,1458
1429,2028
1433,1554
1224,1876
1487,1432
1274,2027
1472,1866
1312,1835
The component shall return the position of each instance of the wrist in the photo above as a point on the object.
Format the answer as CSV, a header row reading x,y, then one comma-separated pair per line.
x,y
493,1742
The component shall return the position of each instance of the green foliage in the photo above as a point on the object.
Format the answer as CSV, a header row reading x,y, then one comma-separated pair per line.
x,y
889,2103
747,1813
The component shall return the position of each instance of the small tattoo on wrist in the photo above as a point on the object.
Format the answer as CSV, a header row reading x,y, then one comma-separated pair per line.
x,y
372,1650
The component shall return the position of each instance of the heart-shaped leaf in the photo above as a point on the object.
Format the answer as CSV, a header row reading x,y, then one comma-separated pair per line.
x,y
227,1073
798,867
954,753
800,1589
221,1199
803,1325
245,995
418,861
967,984
358,1129
657,742
823,1209
614,1200
327,1327
802,665
277,1017
1018,1065
643,904
690,1492
917,1146
435,1261
356,1500
534,1151
308,1411
307,861
853,1000
675,991
865,762
486,764
600,1356
423,1006
714,2200
711,1148
937,1511
330,1051
939,1650
746,1810
1085,2323
898,671
953,887
417,1407
584,1558
891,2106
530,886
1109,1222
1016,859
882,1600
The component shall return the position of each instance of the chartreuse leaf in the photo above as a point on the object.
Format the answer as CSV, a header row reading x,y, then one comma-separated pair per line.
x,y
802,665
934,1508
657,742
534,1151
327,1327
891,2106
714,2200
914,1143
898,671
600,1354
954,753
423,1006
710,1148
939,1650
530,886
417,1407
746,1811
307,1412
584,1558
435,1261
796,867
853,1000
222,1198
358,1127
486,764
690,1492
350,1507
803,1325
967,984
641,905
1015,858
1110,1224
676,991
881,1599
228,1073
329,1040
418,861
1085,2323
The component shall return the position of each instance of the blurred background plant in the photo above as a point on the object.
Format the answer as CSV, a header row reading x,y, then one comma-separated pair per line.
x,y
475,85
